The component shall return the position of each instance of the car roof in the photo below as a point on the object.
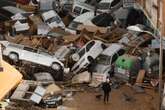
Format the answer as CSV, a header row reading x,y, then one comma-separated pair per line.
x,y
85,5
106,1
112,49
84,17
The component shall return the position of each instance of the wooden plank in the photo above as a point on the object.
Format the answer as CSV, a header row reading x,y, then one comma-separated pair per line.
x,y
140,77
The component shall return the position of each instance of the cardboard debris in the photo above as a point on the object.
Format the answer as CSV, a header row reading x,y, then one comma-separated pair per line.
x,y
28,8
53,89
82,78
140,77
70,38
92,28
94,83
36,20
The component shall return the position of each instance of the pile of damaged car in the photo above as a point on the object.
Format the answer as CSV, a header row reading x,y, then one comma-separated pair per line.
x,y
59,54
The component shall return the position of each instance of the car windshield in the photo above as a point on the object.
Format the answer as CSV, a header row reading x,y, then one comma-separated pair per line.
x,y
103,20
104,6
30,49
103,59
73,25
43,52
54,19
81,52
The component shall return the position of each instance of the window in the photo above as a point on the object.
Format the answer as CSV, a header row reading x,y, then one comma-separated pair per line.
x,y
103,59
89,46
54,19
30,49
77,10
73,25
114,58
81,52
84,11
121,52
15,45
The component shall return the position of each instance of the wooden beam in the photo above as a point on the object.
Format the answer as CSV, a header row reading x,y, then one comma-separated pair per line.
x,y
158,13
163,18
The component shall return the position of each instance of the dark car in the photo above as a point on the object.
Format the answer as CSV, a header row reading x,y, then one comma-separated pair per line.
x,y
51,101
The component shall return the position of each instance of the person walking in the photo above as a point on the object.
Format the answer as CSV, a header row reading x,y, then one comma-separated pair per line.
x,y
107,89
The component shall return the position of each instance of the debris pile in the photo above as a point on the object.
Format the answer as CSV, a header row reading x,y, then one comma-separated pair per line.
x,y
61,45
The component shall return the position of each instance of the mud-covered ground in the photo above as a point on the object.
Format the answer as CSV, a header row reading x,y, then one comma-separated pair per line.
x,y
123,98
136,101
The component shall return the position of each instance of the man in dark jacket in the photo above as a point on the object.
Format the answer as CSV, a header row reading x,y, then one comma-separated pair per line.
x,y
107,89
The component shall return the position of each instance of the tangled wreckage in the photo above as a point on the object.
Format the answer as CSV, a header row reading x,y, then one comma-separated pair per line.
x,y
53,45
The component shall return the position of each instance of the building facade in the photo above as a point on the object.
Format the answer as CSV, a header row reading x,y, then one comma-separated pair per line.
x,y
155,9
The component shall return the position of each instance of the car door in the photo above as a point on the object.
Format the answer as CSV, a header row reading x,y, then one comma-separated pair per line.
x,y
114,58
44,58
29,54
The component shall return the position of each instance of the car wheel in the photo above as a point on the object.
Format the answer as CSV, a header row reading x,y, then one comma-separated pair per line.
x,y
14,57
56,66
90,59
58,74
75,57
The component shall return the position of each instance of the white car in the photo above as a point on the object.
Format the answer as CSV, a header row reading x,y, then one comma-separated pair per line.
x,y
18,52
87,54
78,21
80,8
52,19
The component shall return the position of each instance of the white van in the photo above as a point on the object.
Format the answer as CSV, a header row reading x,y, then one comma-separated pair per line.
x,y
78,21
87,54
80,8
106,59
